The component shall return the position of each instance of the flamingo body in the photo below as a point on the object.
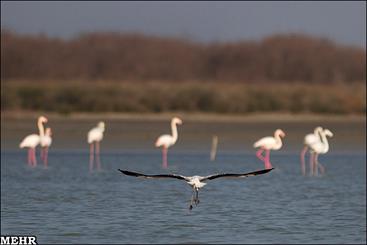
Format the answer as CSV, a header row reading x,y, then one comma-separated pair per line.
x,y
165,140
96,134
30,141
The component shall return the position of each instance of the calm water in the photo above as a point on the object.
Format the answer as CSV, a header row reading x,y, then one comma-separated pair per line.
x,y
67,204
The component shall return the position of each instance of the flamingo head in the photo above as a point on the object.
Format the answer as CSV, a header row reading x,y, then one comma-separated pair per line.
x,y
176,120
48,131
101,125
279,132
42,119
327,132
318,129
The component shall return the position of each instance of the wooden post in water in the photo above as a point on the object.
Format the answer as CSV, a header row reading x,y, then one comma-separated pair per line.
x,y
213,151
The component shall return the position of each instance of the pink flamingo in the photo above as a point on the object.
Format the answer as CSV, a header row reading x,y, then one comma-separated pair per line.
x,y
309,140
31,141
267,144
319,147
95,135
167,140
46,141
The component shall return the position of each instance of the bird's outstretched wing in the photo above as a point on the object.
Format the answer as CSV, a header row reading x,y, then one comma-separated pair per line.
x,y
135,174
214,176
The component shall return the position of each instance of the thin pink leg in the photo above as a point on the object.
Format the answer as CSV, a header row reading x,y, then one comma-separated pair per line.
x,y
267,160
303,166
322,169
315,165
97,157
41,154
34,157
258,154
311,163
164,157
91,156
45,157
30,157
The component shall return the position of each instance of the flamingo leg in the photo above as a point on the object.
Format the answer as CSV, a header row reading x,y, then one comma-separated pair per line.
x,y
322,168
45,157
34,160
316,165
98,161
267,160
196,197
164,157
192,198
42,154
91,156
258,154
303,166
311,163
30,157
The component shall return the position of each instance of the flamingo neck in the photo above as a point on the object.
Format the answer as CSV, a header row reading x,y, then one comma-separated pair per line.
x,y
174,131
278,140
324,141
41,129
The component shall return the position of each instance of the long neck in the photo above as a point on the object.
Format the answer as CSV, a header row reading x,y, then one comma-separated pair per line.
x,y
278,140
174,131
41,128
324,141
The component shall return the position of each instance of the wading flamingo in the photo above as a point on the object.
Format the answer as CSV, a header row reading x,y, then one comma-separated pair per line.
x,y
267,144
167,140
45,141
319,147
31,141
309,140
95,135
196,182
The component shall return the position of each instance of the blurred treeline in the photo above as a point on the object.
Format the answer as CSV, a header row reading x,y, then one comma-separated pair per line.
x,y
117,72
113,56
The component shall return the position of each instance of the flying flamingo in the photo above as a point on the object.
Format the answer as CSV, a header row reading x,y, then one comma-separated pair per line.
x,y
45,141
309,140
167,140
196,182
319,147
31,141
95,135
267,144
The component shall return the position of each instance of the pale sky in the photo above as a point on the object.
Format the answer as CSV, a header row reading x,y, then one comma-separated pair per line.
x,y
342,22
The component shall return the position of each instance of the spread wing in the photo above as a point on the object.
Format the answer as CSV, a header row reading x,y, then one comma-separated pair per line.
x,y
135,174
214,176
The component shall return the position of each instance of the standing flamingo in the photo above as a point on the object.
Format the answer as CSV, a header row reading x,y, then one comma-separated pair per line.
x,y
95,135
309,140
31,141
319,147
267,144
167,140
45,141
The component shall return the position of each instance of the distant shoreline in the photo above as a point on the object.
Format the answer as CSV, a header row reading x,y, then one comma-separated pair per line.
x,y
190,116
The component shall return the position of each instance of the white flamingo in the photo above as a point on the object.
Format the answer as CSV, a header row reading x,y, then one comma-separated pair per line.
x,y
196,182
31,141
95,135
267,144
309,140
46,142
319,147
167,140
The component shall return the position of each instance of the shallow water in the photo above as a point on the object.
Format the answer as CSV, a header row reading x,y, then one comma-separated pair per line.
x,y
67,204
